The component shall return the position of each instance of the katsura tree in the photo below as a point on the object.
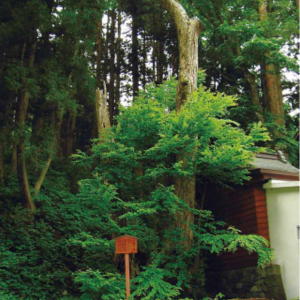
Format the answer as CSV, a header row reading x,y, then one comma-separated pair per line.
x,y
138,159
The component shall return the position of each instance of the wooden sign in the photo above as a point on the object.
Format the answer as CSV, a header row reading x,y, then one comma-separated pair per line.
x,y
126,244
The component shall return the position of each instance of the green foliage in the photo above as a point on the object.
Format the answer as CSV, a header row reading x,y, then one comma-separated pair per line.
x,y
216,238
66,252
285,138
69,234
95,285
217,297
150,284
137,162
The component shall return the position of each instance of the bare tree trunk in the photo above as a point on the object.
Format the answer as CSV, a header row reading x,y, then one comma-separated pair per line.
x,y
272,78
188,31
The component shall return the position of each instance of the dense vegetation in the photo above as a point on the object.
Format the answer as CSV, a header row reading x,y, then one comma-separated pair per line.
x,y
65,194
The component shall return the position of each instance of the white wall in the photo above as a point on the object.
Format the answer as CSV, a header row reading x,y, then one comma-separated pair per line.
x,y
283,204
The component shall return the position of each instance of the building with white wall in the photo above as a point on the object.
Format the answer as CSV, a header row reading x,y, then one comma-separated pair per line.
x,y
283,207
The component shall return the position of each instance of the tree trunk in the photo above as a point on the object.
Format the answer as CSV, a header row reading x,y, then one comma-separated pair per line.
x,y
272,81
1,163
188,30
99,52
68,133
254,94
56,126
153,60
42,176
161,61
160,49
134,54
118,67
102,114
14,159
274,93
105,50
144,61
112,71
21,116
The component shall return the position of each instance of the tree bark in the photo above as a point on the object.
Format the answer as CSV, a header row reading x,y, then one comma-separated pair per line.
x,y
39,182
112,68
254,94
1,163
274,93
14,159
102,114
118,66
68,133
160,48
272,80
134,54
21,116
144,61
99,52
161,61
188,31
153,60
56,126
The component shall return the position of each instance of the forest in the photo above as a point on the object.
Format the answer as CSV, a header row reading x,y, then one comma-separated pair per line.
x,y
114,117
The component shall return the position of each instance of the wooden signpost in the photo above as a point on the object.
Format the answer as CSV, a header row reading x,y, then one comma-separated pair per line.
x,y
126,244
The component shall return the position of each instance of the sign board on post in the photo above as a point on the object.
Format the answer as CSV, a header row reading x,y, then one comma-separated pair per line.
x,y
126,245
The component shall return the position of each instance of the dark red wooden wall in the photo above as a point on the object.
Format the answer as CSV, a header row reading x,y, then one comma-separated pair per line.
x,y
244,208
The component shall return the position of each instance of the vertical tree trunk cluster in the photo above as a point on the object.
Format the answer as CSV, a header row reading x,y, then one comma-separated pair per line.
x,y
108,61
119,56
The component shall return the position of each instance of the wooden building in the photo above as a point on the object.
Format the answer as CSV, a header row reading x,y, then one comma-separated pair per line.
x,y
267,205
